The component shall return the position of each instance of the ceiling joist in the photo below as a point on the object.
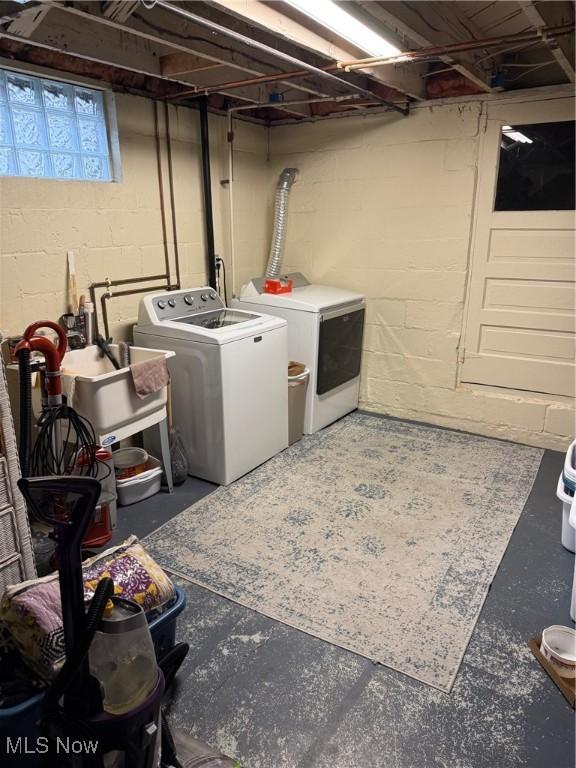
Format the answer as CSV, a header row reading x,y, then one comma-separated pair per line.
x,y
272,59
68,35
166,31
120,10
424,28
552,14
28,20
405,79
185,63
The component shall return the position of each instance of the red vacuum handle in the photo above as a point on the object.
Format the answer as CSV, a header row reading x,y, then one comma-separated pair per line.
x,y
58,330
52,354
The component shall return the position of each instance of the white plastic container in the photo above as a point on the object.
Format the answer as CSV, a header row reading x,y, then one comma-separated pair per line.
x,y
559,647
570,466
141,486
568,532
572,521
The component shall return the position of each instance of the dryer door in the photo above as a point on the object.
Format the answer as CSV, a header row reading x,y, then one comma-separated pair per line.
x,y
340,347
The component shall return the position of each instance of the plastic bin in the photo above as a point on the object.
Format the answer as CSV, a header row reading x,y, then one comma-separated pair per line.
x,y
572,521
21,720
566,496
298,376
140,487
569,473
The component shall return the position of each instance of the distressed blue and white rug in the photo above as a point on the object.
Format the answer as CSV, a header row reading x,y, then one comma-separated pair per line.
x,y
376,535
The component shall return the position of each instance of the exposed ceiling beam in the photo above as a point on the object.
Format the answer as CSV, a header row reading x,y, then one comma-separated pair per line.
x,y
185,63
553,14
120,10
78,37
404,79
28,20
171,32
427,24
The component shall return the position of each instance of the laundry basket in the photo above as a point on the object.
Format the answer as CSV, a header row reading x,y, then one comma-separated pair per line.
x,y
298,376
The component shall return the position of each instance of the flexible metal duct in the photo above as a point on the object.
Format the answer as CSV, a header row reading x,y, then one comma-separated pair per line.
x,y
285,181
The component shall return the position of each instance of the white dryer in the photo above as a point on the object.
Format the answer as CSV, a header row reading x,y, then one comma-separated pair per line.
x,y
228,379
325,331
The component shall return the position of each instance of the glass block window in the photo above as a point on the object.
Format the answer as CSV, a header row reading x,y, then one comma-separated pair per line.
x,y
52,130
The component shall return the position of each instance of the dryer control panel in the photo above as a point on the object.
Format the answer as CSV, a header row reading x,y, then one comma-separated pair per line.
x,y
174,304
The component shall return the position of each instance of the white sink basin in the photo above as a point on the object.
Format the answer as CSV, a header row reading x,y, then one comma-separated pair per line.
x,y
106,396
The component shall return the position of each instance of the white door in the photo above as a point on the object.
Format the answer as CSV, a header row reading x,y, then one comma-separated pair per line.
x,y
520,329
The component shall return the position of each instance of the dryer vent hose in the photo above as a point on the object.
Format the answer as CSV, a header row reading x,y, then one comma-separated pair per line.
x,y
285,181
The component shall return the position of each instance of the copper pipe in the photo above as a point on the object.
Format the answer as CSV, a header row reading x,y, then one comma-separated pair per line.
x,y
282,104
406,57
469,45
258,80
107,296
124,281
324,72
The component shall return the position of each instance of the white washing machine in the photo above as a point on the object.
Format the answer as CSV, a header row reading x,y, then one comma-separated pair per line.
x,y
228,379
325,331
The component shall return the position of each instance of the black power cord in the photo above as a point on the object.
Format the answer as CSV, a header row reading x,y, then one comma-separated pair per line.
x,y
220,264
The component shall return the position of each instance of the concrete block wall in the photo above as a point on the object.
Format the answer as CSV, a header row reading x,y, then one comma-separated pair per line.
x,y
252,198
115,228
384,205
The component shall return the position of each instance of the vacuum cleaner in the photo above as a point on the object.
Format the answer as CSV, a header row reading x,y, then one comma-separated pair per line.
x,y
107,696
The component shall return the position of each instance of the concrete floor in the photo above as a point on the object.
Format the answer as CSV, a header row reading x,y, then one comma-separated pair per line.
x,y
275,697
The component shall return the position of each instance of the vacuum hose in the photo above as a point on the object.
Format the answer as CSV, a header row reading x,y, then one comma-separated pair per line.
x,y
25,409
285,181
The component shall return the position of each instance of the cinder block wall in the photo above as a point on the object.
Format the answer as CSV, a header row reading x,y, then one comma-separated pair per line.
x,y
383,205
115,228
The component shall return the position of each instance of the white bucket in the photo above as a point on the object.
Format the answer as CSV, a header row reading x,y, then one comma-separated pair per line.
x,y
568,532
559,647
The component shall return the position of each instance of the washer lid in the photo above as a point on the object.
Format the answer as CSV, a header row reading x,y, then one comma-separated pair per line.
x,y
308,298
201,328
218,318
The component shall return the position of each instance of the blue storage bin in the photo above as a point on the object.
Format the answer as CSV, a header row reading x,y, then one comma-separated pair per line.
x,y
21,720
163,627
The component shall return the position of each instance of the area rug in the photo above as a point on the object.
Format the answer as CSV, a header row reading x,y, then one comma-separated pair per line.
x,y
377,535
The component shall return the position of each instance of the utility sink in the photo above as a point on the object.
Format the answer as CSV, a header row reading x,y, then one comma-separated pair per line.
x,y
106,396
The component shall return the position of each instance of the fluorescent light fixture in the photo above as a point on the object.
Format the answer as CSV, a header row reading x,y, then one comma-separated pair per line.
x,y
330,15
507,130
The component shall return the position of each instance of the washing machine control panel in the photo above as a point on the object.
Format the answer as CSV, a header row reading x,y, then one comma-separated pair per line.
x,y
188,302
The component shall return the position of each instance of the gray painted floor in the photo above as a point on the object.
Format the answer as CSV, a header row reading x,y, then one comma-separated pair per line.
x,y
275,697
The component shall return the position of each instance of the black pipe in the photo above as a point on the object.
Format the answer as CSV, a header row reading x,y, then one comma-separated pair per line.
x,y
207,192
171,189
161,189
24,375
